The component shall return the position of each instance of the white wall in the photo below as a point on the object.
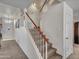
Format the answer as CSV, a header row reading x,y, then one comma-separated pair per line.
x,y
76,16
52,26
57,24
8,12
26,43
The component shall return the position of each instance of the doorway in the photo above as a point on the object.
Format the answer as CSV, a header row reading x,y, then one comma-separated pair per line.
x,y
76,32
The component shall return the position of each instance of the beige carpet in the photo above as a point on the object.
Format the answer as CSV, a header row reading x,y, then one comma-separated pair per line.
x,y
75,55
11,50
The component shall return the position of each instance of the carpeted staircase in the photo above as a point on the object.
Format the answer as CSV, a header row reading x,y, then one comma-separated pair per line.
x,y
39,42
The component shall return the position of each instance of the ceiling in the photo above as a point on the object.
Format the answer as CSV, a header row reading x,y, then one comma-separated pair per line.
x,y
17,3
11,8
26,3
9,11
73,3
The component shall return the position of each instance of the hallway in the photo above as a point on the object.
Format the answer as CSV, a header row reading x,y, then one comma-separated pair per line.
x,y
11,50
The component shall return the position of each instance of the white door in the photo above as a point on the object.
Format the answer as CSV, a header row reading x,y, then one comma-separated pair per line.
x,y
68,36
68,31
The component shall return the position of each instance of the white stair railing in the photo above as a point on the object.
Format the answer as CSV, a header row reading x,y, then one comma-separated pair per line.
x,y
37,28
42,46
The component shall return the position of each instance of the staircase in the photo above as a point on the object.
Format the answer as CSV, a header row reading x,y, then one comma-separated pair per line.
x,y
42,42
51,52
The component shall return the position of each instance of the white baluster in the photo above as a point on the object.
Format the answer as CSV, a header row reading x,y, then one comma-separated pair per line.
x,y
43,49
46,50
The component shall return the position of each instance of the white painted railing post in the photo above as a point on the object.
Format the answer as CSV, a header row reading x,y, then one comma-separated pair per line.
x,y
46,50
43,49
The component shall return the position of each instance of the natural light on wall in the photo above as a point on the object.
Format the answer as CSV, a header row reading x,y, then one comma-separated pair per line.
x,y
50,1
34,6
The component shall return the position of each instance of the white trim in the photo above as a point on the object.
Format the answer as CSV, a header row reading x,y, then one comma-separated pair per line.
x,y
6,39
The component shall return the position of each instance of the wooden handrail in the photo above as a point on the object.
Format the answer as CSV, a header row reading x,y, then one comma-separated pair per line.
x,y
43,5
31,20
38,28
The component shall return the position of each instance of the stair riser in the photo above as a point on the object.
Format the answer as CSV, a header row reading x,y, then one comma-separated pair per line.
x,y
49,55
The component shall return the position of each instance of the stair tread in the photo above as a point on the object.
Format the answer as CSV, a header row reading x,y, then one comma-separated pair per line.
x,y
48,46
33,31
56,56
37,37
51,52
